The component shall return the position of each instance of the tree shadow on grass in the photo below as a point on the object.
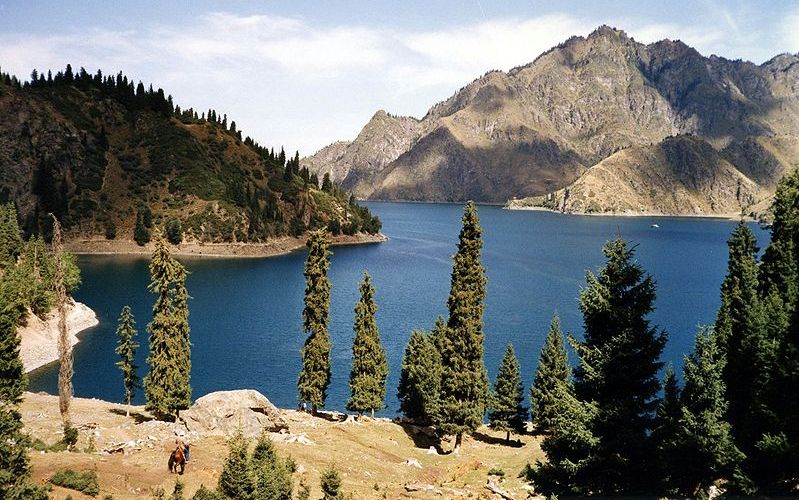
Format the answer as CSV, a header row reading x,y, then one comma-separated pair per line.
x,y
136,416
488,439
422,437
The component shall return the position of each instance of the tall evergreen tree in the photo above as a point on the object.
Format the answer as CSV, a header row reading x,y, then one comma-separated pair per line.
x,y
740,333
508,412
420,378
236,480
369,363
315,375
570,446
776,467
272,478
126,350
666,435
14,466
10,236
167,386
707,452
553,369
618,371
464,381
327,185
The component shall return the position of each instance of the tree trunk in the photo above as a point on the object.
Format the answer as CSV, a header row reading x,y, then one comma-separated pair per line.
x,y
507,436
127,410
65,371
458,442
373,413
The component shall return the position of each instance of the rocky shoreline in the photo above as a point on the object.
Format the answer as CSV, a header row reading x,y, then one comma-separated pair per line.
x,y
274,247
39,337
537,208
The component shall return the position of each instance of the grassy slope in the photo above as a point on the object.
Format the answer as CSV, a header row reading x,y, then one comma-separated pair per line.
x,y
368,454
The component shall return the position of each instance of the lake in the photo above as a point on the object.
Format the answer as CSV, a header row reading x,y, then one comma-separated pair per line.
x,y
245,314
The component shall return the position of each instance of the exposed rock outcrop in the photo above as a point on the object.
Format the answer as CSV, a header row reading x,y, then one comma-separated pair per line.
x,y
224,412
39,337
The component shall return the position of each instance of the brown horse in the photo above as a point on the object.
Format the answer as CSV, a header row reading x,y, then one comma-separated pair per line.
x,y
177,458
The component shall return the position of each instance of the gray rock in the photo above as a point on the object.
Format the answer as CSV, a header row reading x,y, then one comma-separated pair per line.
x,y
223,413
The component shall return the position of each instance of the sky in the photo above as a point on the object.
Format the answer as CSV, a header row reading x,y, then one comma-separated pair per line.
x,y
303,74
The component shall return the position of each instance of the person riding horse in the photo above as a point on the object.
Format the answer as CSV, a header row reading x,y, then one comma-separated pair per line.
x,y
180,455
177,458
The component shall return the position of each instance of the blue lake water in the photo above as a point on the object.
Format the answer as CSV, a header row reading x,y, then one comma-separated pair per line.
x,y
245,314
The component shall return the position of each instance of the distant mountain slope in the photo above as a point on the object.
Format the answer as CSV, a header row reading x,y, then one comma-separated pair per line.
x,y
681,175
101,153
537,128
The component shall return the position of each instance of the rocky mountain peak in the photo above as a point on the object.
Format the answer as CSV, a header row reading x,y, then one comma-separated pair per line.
x,y
540,126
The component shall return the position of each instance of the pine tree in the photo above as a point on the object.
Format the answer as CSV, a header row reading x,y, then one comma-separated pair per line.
x,y
666,435
14,466
740,333
420,378
315,375
464,381
10,236
618,371
570,447
331,484
327,185
141,235
271,473
774,465
126,350
369,363
167,386
236,481
508,412
706,450
553,369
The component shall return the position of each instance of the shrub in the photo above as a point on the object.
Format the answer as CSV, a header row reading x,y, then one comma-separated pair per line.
x,y
110,230
70,436
205,494
85,482
496,471
174,231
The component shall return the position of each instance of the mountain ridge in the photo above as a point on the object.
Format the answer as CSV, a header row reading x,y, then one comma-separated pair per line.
x,y
539,127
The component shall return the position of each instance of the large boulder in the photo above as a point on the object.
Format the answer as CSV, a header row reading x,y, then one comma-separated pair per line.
x,y
223,413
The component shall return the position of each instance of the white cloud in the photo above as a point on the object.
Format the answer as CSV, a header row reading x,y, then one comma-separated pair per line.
x,y
287,81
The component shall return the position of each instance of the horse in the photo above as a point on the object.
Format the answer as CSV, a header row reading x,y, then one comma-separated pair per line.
x,y
177,458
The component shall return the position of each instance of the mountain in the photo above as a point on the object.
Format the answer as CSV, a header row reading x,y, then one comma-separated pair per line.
x,y
573,111
105,155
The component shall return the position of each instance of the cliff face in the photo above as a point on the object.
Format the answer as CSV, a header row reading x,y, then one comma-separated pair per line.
x,y
538,128
380,142
94,151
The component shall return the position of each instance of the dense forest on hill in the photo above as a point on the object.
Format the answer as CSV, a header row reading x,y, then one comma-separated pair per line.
x,y
109,156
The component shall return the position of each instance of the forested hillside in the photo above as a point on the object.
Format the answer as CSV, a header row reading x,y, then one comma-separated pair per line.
x,y
109,156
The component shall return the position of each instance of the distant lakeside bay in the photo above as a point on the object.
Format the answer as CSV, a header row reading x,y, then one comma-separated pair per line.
x,y
246,313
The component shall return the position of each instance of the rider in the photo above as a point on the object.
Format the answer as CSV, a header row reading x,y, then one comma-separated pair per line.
x,y
180,440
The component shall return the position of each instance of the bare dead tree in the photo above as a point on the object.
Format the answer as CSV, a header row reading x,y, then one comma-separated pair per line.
x,y
65,370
